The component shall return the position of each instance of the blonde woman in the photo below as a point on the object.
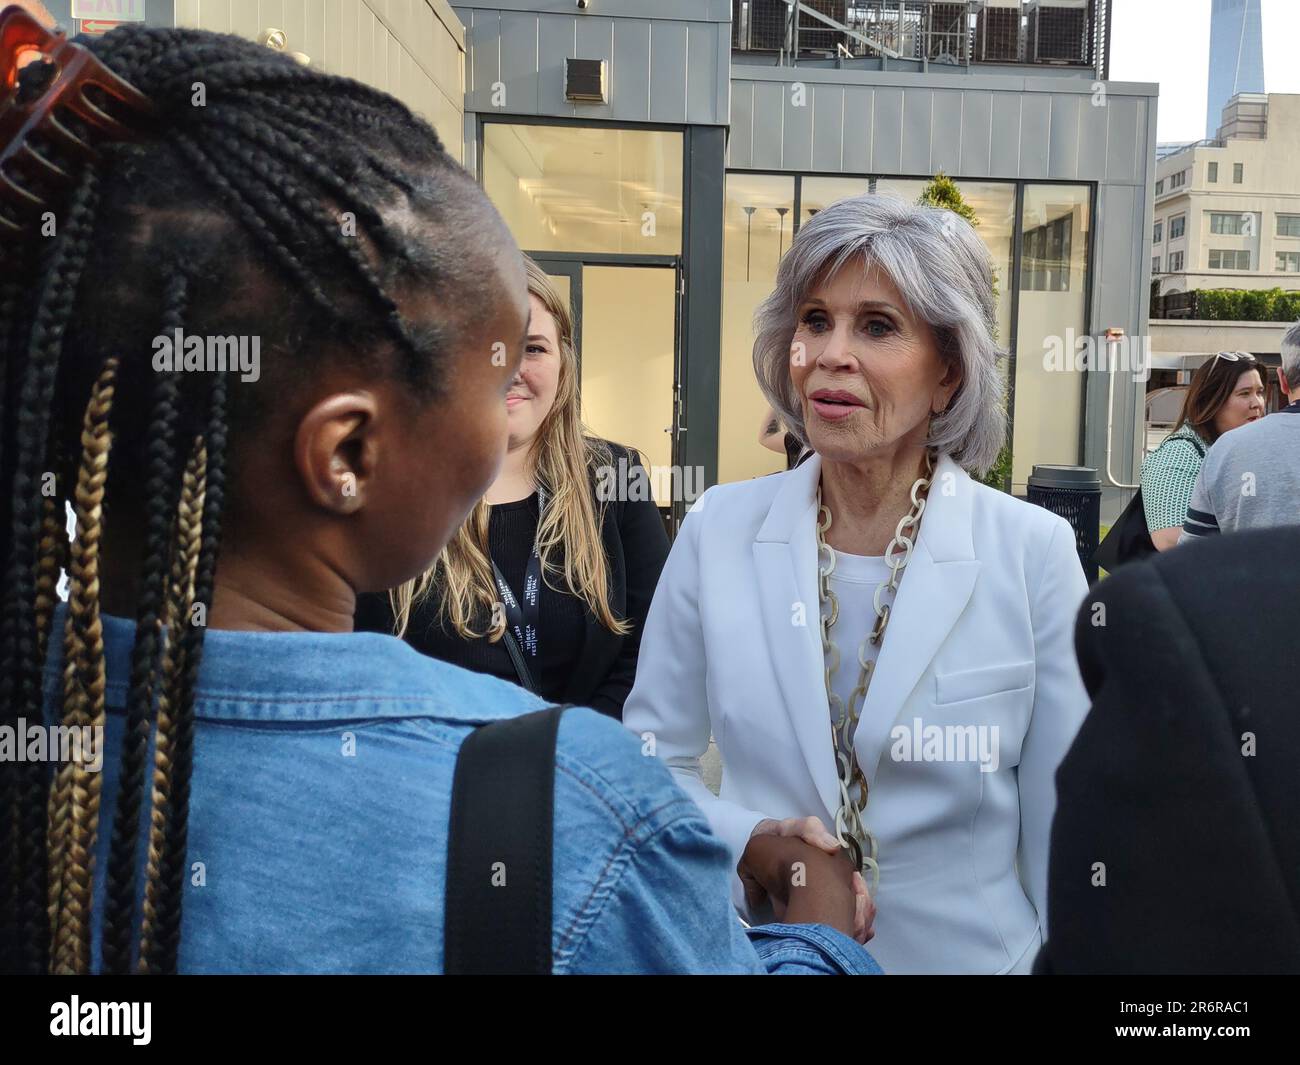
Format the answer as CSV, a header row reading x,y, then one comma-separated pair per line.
x,y
548,583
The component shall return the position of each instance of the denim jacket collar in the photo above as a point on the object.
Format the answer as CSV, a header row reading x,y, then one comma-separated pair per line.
x,y
307,676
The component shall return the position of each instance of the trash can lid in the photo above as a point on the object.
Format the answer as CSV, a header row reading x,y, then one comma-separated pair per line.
x,y
1077,478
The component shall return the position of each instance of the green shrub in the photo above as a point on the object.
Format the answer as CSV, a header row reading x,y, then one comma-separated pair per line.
x,y
1247,305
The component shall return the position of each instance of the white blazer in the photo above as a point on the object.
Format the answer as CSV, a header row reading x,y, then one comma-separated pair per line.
x,y
981,634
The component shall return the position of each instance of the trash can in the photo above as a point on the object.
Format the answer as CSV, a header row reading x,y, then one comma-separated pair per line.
x,y
1073,492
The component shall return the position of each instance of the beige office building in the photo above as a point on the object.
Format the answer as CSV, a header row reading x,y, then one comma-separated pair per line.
x,y
1227,211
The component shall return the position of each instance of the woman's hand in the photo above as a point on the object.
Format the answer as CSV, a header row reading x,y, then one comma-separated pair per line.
x,y
806,880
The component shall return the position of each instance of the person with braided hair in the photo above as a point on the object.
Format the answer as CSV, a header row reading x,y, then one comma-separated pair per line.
x,y
277,788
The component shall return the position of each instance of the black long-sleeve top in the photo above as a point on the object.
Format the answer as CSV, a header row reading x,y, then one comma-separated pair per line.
x,y
578,659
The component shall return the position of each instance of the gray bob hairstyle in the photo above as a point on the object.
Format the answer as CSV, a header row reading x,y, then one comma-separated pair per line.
x,y
941,268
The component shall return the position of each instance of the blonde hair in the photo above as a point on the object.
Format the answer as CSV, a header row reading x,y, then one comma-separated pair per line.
x,y
562,457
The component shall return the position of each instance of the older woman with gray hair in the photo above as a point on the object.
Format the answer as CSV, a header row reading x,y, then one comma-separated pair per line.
x,y
881,646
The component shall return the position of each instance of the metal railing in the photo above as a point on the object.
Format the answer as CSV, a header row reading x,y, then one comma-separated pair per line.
x,y
1072,33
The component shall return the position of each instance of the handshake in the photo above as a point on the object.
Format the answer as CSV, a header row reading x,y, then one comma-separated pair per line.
x,y
798,868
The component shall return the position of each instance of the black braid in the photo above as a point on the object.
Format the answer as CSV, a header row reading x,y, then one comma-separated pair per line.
x,y
161,491
168,926
293,207
297,149
20,685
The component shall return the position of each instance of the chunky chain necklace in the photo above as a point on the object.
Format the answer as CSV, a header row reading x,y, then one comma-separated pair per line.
x,y
849,829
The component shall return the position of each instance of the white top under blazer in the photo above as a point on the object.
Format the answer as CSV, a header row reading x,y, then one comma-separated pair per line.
x,y
981,634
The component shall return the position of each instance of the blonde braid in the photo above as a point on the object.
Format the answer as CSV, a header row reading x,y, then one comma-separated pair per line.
x,y
50,560
75,817
180,598
52,557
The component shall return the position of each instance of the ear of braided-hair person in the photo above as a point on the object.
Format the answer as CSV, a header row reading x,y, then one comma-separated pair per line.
x,y
262,201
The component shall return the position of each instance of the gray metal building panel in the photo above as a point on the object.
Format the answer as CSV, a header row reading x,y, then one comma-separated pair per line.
x,y
859,128
1094,122
482,57
829,130
519,46
1123,159
797,143
917,132
629,76
595,40
976,134
1035,127
701,67
669,50
672,68
675,10
742,123
946,131
1004,136
556,41
1063,137
769,113
887,131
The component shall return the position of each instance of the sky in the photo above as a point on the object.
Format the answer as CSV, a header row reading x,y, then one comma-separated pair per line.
x,y
1168,41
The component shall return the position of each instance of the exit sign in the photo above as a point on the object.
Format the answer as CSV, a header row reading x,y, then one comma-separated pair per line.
x,y
97,27
114,10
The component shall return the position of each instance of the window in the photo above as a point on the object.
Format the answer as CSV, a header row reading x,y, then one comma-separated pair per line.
x,y
1288,225
1175,262
1288,262
1160,187
1232,224
1229,260
1045,256
1177,226
1238,173
1159,234
1177,181
577,189
1055,226
1155,265
1212,173
758,228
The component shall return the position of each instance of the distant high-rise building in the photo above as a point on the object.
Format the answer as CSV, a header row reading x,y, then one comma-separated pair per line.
x,y
1236,55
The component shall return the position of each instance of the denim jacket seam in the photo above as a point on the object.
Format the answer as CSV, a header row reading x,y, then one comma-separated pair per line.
x,y
589,911
809,937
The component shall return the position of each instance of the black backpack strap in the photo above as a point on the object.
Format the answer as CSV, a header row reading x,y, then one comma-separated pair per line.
x,y
498,905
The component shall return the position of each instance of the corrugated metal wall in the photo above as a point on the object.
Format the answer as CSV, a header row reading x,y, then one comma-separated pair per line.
x,y
673,67
414,49
879,122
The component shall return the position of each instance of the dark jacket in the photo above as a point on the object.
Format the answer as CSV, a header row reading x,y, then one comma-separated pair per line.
x,y
1183,785
636,545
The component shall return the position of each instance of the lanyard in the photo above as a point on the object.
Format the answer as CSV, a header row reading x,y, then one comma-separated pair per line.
x,y
522,617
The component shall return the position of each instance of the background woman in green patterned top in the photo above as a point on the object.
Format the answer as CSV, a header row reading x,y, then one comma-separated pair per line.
x,y
1227,391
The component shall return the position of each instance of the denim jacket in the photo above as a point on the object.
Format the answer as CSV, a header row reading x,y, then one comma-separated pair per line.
x,y
319,808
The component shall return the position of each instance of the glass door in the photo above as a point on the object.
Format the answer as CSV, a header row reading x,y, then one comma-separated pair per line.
x,y
627,335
